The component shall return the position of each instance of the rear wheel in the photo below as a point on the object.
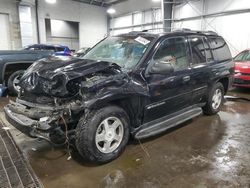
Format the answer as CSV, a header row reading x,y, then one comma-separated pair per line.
x,y
13,82
215,99
103,135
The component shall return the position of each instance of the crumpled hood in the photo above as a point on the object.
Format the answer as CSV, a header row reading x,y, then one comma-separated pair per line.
x,y
53,73
69,66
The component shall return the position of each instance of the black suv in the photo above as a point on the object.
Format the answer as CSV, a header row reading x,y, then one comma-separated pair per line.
x,y
132,85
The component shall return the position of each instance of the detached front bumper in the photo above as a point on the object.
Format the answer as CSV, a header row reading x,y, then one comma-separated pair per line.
x,y
15,114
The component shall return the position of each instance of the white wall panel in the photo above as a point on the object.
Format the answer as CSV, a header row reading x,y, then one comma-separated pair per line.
x,y
123,21
148,17
10,7
190,9
234,28
213,6
135,5
92,19
192,24
137,18
158,15
26,25
4,32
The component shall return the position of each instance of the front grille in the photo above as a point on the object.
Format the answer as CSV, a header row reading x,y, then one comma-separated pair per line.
x,y
245,74
240,81
29,97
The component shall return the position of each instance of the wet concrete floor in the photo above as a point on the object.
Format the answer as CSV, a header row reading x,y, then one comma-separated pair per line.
x,y
204,152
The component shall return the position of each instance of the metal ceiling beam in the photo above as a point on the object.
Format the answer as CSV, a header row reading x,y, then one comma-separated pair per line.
x,y
102,3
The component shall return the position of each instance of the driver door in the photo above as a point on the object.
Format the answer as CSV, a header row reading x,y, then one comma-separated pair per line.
x,y
170,92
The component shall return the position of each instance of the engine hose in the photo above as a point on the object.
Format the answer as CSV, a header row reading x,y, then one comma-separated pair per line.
x,y
232,98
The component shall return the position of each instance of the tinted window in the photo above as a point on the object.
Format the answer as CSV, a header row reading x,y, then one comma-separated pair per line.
x,y
208,51
48,48
174,51
59,49
219,48
244,56
198,50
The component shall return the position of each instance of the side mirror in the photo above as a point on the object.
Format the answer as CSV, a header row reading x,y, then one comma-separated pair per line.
x,y
162,67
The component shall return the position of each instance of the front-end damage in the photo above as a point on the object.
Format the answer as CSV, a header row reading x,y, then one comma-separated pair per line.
x,y
55,94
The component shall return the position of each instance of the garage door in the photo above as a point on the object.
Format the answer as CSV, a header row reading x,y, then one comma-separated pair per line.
x,y
4,32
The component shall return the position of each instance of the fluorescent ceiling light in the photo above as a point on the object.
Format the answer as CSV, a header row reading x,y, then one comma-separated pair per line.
x,y
111,11
156,0
51,1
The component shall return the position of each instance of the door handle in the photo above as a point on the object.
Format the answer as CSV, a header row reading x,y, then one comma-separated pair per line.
x,y
186,78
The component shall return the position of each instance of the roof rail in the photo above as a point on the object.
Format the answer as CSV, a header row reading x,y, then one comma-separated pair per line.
x,y
210,33
202,32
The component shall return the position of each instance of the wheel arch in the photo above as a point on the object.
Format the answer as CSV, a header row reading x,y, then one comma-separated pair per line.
x,y
133,105
11,67
225,82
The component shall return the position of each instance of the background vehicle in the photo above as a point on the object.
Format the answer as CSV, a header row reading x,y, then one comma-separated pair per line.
x,y
242,69
13,63
59,50
81,52
137,84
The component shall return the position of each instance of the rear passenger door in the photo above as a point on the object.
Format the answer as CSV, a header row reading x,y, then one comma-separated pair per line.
x,y
201,60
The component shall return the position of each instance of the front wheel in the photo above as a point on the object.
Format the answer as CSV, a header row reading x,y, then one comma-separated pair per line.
x,y
13,82
103,135
215,99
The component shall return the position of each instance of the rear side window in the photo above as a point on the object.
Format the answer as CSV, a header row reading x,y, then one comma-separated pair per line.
x,y
201,52
219,49
59,49
198,50
49,48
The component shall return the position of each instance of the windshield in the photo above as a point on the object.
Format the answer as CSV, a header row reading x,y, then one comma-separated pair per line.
x,y
244,56
124,51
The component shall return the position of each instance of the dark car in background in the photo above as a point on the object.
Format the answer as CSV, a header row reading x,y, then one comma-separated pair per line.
x,y
13,63
242,69
132,85
59,50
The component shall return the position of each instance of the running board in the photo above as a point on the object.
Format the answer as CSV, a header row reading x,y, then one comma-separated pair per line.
x,y
163,124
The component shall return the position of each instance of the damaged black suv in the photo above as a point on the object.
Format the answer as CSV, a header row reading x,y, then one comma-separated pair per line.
x,y
132,85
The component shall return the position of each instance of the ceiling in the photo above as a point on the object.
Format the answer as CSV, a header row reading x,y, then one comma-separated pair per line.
x,y
102,3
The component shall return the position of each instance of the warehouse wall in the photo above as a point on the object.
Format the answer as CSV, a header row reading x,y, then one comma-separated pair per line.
x,y
10,8
92,19
233,27
135,5
136,15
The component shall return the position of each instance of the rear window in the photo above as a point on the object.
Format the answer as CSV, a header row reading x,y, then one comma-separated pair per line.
x,y
219,49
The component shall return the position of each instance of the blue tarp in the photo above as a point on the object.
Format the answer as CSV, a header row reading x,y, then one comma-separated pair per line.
x,y
3,91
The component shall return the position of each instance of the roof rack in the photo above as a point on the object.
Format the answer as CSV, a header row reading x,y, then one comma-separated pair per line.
x,y
194,31
177,30
210,33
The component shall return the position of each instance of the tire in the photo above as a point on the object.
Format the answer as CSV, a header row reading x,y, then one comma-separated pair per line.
x,y
12,81
90,128
213,105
